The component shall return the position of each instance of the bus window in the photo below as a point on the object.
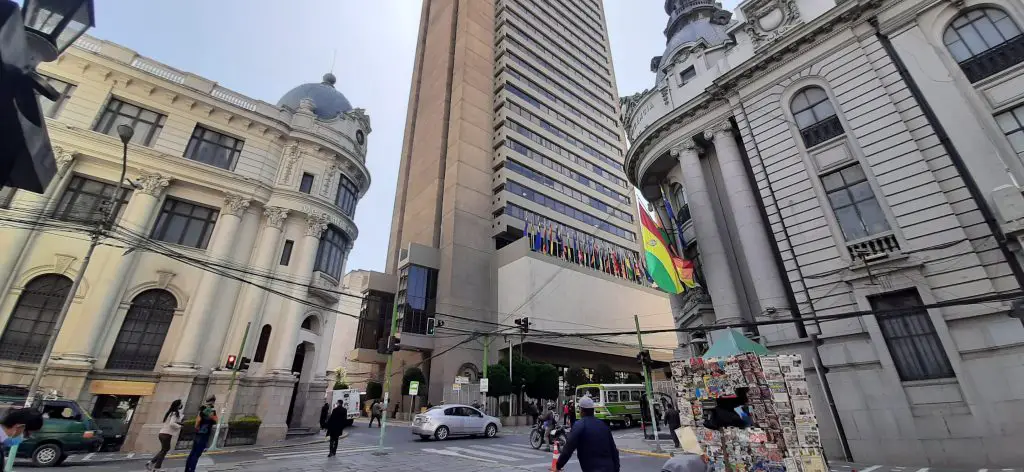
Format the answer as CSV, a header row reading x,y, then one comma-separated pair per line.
x,y
613,396
635,395
593,392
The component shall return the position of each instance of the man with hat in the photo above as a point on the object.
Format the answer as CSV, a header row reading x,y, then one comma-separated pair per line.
x,y
206,420
593,439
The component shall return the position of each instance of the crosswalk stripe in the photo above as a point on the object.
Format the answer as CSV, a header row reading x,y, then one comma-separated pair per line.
x,y
445,452
484,454
869,469
321,450
514,447
88,456
922,469
523,454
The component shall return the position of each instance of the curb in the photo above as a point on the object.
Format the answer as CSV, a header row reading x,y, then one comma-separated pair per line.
x,y
645,453
179,455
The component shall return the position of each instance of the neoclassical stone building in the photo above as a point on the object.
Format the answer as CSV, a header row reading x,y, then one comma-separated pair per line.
x,y
820,158
238,212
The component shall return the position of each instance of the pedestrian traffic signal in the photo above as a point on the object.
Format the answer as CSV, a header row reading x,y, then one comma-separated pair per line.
x,y
396,344
230,364
243,363
432,324
644,357
523,324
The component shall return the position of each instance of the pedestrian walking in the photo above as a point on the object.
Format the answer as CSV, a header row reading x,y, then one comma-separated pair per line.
x,y
16,426
671,420
172,424
572,413
335,425
206,420
375,412
325,412
593,439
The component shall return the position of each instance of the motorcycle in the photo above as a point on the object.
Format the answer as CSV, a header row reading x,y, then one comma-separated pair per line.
x,y
537,435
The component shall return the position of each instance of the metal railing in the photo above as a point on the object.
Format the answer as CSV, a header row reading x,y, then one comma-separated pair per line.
x,y
994,60
883,243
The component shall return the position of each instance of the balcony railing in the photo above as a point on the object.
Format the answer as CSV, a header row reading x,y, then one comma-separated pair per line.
x,y
822,131
994,60
880,244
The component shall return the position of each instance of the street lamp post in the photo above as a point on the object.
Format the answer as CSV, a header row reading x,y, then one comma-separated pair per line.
x,y
53,25
125,132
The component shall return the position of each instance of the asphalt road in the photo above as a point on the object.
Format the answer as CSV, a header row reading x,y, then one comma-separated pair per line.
x,y
510,451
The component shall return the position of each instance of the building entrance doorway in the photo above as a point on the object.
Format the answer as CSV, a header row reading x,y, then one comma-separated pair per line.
x,y
113,414
301,367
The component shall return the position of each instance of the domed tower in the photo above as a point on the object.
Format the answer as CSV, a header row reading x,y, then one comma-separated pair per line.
x,y
692,24
328,102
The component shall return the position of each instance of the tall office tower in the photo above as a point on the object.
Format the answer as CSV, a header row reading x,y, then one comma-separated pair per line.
x,y
512,121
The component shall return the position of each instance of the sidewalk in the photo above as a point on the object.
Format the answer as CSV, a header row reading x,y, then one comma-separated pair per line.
x,y
634,443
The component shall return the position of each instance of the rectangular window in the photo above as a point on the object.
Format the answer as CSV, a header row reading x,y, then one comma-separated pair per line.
x,y
330,255
1012,124
687,75
286,253
306,186
86,200
613,396
185,223
52,108
213,148
854,203
146,123
910,335
348,196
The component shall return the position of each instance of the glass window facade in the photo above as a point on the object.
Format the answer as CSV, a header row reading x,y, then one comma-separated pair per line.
x,y
914,345
31,322
815,116
524,150
854,203
567,190
1011,122
213,148
417,297
557,149
185,223
984,41
348,196
541,199
143,331
85,201
146,123
330,255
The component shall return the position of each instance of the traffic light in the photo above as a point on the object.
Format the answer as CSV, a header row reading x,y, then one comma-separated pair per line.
x,y
230,364
432,324
243,364
396,344
523,324
382,346
644,357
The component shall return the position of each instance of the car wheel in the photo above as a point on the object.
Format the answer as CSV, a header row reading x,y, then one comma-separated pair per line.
x,y
628,423
442,433
47,455
491,431
425,437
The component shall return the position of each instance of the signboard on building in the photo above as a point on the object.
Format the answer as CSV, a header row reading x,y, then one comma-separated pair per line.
x,y
461,380
121,387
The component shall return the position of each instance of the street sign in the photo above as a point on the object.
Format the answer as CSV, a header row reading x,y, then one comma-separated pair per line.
x,y
414,388
457,387
483,385
461,380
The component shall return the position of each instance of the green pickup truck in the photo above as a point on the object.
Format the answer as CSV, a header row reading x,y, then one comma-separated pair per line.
x,y
67,429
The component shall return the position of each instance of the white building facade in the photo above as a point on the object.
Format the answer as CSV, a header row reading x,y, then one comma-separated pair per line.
x,y
818,159
237,213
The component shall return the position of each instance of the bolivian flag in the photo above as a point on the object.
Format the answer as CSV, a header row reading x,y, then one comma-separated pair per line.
x,y
660,262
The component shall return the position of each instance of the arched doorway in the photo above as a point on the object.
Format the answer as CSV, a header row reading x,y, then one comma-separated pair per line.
x,y
302,365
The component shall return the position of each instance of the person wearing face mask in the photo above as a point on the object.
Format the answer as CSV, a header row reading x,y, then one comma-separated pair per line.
x,y
16,426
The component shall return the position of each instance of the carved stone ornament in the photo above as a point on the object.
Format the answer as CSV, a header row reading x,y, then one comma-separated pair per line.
x,y
362,118
61,263
328,183
767,20
152,184
290,157
721,129
686,145
275,216
164,278
64,157
316,224
234,205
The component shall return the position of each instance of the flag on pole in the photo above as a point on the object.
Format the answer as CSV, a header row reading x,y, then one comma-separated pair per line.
x,y
659,261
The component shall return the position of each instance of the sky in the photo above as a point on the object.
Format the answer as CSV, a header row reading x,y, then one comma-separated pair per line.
x,y
263,48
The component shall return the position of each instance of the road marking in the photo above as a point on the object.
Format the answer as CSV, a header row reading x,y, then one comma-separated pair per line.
x,y
312,452
869,469
445,452
524,454
130,455
484,454
88,456
982,470
922,469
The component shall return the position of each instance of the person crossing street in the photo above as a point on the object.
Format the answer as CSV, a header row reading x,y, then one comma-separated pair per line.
x,y
376,411
593,440
205,422
336,426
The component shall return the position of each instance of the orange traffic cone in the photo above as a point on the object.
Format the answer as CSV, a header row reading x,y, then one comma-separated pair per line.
x,y
554,458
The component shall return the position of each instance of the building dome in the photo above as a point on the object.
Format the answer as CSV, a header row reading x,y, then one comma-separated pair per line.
x,y
328,102
692,21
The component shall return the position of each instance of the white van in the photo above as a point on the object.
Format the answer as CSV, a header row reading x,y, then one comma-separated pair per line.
x,y
350,398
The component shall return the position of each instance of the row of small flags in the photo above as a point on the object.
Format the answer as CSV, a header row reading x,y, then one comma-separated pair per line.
x,y
586,252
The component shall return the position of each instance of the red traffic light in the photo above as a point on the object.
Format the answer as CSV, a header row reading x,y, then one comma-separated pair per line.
x,y
231,362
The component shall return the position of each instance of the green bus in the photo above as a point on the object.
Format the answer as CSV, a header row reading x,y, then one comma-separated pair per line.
x,y
613,403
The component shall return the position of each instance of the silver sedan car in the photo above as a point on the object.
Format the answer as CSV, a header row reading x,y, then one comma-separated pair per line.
x,y
441,422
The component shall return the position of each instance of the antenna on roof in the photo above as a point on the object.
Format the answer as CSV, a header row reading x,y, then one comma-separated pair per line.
x,y
333,58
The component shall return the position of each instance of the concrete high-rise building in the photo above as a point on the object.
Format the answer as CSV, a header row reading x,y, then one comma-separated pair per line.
x,y
513,118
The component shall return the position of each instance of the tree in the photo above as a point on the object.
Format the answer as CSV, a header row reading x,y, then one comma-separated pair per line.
x,y
414,374
498,382
374,390
603,373
545,382
575,377
523,373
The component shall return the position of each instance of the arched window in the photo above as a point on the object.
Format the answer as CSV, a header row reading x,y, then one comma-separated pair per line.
x,y
815,116
984,41
33,318
311,324
143,332
348,196
261,346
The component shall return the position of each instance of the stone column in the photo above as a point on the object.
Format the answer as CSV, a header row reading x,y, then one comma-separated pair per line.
x,y
286,330
254,298
79,339
31,206
194,334
743,206
712,251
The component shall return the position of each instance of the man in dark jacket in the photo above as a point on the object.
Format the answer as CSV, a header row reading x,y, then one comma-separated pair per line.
x,y
336,425
593,439
325,412
673,422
